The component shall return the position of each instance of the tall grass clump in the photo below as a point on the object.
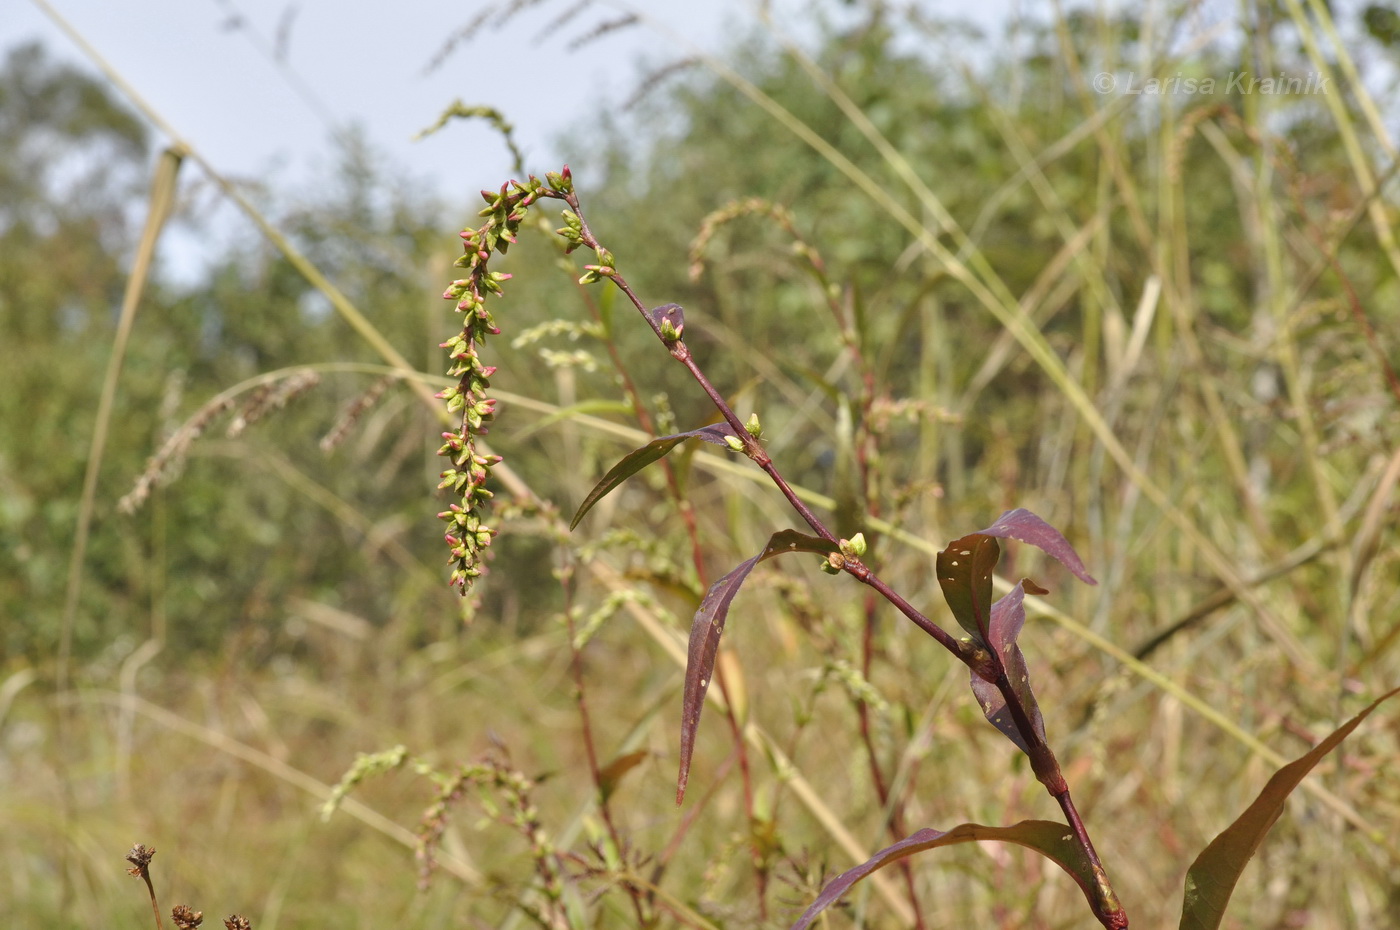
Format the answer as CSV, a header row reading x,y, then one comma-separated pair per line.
x,y
1090,286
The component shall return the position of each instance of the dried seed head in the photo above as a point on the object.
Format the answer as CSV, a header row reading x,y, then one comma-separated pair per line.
x,y
186,917
140,858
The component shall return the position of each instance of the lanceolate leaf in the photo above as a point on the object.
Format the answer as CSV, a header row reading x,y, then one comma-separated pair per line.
x,y
1027,527
708,627
641,458
1211,879
1008,616
965,575
1052,840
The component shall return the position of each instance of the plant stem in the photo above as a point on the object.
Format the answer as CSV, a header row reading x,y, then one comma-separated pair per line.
x,y
983,663
736,730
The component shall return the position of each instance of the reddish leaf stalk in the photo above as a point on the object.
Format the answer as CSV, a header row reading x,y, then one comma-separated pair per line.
x,y
1047,769
644,420
986,664
687,513
586,237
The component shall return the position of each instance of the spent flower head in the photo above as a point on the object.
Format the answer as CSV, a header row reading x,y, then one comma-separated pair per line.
x,y
186,917
140,858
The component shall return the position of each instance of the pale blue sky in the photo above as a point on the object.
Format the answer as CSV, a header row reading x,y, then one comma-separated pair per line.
x,y
365,63
255,112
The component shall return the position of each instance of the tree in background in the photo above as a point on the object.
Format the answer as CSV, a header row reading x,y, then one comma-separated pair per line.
x,y
1192,265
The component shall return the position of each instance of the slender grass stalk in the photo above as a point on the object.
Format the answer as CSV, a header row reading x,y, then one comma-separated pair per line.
x,y
162,199
992,294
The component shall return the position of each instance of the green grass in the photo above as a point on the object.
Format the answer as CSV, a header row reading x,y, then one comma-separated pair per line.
x,y
1167,326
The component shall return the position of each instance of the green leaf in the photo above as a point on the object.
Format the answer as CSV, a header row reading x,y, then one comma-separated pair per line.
x,y
965,575
641,458
708,627
1212,877
1052,840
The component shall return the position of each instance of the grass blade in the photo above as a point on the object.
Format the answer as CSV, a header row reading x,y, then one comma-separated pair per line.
x,y
1212,877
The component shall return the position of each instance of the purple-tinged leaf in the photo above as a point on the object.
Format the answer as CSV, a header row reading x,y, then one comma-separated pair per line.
x,y
641,458
1055,841
1027,527
993,703
965,575
668,313
1008,616
1212,877
708,627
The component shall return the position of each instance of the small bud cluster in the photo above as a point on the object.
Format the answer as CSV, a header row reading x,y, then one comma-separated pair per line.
x,y
848,550
466,476
505,793
575,233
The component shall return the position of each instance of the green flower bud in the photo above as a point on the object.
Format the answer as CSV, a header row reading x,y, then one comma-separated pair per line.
x,y
854,547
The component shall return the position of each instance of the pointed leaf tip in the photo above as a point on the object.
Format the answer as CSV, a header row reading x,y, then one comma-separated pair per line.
x,y
1028,528
638,459
707,628
1053,840
1212,877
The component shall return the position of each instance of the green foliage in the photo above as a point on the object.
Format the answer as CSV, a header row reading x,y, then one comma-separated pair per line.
x,y
68,160
251,528
1214,273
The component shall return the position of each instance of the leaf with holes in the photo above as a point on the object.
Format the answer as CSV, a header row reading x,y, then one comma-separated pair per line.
x,y
646,455
965,575
708,627
1008,615
1212,877
1052,840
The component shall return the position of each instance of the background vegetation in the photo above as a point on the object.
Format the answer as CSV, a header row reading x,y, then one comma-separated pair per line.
x,y
1214,276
